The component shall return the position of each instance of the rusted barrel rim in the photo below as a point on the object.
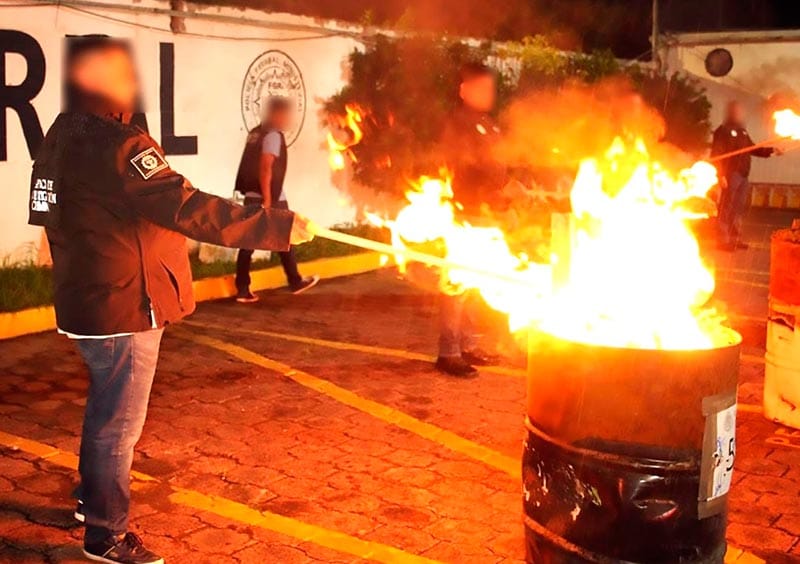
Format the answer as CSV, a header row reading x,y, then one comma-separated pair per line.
x,y
656,465
572,548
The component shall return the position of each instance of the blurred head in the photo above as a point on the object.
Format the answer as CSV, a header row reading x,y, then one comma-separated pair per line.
x,y
735,112
101,69
279,113
478,88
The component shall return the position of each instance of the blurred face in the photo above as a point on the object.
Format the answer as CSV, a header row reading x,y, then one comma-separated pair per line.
x,y
110,74
736,113
479,93
282,119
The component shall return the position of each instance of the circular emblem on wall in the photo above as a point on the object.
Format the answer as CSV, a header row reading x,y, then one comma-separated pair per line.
x,y
273,73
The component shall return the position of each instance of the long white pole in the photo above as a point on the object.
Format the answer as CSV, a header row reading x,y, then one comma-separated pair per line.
x,y
410,254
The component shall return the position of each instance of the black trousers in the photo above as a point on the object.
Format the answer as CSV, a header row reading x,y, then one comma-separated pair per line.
x,y
245,257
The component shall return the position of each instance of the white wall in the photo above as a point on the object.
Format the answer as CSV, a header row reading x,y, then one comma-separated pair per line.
x,y
760,70
208,74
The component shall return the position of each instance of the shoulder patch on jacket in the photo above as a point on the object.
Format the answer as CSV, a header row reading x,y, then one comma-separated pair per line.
x,y
149,162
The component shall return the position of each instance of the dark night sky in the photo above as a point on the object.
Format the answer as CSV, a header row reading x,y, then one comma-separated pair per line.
x,y
622,25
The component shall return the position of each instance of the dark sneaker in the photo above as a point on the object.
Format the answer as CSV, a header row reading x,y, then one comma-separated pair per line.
x,y
305,284
126,550
247,297
79,515
478,357
455,366
741,245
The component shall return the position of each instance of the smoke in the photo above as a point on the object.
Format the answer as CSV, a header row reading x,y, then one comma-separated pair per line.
x,y
558,128
778,78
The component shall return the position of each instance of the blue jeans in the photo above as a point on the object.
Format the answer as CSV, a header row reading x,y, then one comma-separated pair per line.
x,y
456,330
733,204
121,371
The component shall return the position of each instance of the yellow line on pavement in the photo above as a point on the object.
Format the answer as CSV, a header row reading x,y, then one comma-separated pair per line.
x,y
742,282
390,415
239,512
748,318
749,408
345,346
385,351
752,358
739,556
744,271
53,454
288,526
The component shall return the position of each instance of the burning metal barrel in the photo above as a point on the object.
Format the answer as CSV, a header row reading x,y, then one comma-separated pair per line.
x,y
629,452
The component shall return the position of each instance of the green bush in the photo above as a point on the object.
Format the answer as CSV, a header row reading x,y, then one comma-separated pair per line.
x,y
24,286
27,285
409,86
682,102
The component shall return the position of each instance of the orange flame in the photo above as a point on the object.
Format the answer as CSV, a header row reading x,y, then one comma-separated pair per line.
x,y
787,124
629,274
340,151
517,285
635,274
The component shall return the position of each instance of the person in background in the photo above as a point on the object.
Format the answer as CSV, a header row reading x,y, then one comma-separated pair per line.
x,y
733,173
467,144
117,217
260,178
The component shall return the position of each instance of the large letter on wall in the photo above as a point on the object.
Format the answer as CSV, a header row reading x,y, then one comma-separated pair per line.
x,y
171,143
18,97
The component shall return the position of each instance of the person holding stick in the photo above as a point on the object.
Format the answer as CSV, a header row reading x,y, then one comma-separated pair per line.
x,y
478,181
117,217
734,148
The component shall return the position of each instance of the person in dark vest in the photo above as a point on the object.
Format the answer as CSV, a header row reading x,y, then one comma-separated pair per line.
x,y
262,171
467,143
733,173
117,217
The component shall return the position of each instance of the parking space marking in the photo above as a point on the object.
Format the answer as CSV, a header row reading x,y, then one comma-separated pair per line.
x,y
749,408
752,358
741,282
739,556
785,438
347,346
380,351
433,433
744,271
238,512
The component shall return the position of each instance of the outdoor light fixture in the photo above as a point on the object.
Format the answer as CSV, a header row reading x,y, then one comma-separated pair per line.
x,y
719,62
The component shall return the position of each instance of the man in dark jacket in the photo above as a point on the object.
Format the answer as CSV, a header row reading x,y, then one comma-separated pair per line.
x,y
733,173
262,171
117,218
467,145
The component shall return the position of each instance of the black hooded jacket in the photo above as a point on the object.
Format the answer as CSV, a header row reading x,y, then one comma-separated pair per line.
x,y
117,218
467,144
730,137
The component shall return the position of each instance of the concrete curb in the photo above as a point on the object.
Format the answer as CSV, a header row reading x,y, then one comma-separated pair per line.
x,y
39,319
27,321
780,196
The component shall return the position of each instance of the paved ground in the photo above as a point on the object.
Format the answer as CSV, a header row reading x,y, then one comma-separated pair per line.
x,y
313,429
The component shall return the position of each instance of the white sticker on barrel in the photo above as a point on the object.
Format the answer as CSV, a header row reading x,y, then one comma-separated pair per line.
x,y
725,452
